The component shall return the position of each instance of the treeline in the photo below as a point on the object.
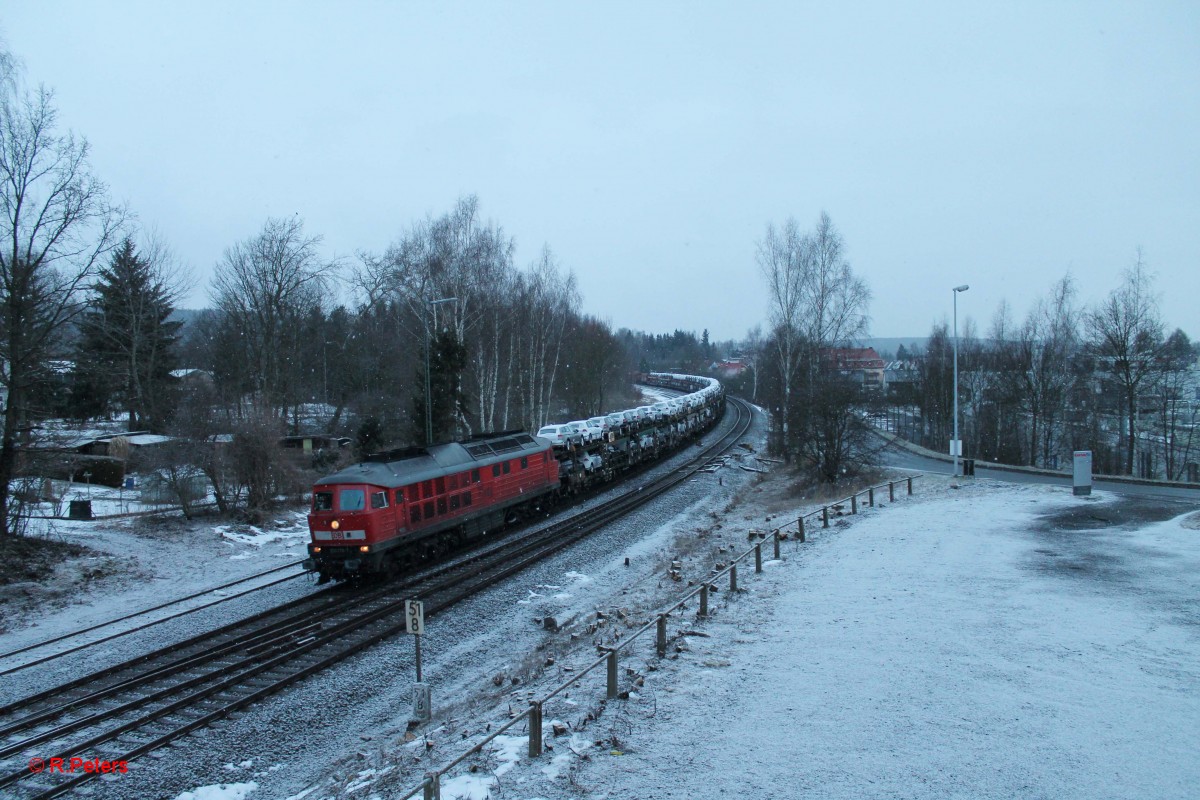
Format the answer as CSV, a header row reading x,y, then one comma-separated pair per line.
x,y
818,306
292,341
505,347
1109,379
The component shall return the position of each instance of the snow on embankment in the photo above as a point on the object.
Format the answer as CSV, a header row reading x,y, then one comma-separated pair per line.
x,y
989,643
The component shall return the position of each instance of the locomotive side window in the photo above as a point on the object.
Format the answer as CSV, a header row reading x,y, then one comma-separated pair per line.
x,y
495,470
322,501
507,468
524,462
399,496
414,513
474,476
441,485
453,482
378,500
352,500
454,502
427,489
466,499
441,501
429,510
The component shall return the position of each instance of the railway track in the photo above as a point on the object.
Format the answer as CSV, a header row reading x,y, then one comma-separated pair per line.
x,y
102,630
126,711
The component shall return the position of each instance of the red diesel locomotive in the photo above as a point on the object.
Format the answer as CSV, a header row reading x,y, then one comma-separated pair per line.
x,y
401,506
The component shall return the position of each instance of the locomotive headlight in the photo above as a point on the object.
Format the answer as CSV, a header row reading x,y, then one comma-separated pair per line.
x,y
364,548
316,549
334,525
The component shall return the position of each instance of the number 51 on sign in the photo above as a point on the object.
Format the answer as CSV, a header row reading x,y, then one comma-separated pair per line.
x,y
414,614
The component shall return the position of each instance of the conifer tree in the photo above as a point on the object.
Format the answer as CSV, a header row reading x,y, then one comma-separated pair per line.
x,y
126,345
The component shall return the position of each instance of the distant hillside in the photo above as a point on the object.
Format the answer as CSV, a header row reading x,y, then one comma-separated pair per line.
x,y
186,315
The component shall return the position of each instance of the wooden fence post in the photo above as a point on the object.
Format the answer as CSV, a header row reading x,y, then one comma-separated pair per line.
x,y
825,517
757,557
661,639
733,578
777,537
433,787
612,674
535,728
853,504
801,521
871,496
910,485
891,492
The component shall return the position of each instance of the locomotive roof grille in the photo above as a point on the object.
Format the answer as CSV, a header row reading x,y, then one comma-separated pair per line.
x,y
399,454
410,464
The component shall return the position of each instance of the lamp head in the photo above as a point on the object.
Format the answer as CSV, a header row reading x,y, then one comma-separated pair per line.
x,y
962,288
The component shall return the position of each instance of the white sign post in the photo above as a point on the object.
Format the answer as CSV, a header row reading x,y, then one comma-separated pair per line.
x,y
414,615
414,622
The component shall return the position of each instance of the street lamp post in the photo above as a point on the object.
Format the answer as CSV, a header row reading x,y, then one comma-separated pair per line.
x,y
956,445
428,394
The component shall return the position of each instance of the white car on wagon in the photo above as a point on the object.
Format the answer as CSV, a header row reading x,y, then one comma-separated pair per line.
x,y
559,435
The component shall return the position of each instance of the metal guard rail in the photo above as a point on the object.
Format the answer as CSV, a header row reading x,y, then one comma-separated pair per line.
x,y
431,785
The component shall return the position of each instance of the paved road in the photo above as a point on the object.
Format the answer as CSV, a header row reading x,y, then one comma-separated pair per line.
x,y
894,456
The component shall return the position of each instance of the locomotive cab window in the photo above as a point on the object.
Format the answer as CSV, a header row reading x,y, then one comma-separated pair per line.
x,y
495,470
322,501
414,513
474,476
378,499
524,462
454,502
507,468
352,500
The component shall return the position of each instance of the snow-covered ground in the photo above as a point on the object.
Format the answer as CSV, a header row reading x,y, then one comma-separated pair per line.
x,y
998,642
991,641
139,563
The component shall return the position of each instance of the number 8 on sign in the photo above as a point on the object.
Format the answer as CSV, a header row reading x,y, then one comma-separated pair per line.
x,y
414,614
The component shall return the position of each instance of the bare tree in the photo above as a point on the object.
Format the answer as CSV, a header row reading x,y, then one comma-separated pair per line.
x,y
833,298
782,262
1046,347
596,367
452,274
548,298
57,226
818,305
1127,337
1177,413
262,289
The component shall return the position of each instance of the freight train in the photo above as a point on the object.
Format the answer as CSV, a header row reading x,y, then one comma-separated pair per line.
x,y
403,507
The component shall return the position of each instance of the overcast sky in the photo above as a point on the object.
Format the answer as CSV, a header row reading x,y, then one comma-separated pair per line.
x,y
649,144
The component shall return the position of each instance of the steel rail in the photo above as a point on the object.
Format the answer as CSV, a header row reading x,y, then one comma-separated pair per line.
x,y
450,589
146,626
158,607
